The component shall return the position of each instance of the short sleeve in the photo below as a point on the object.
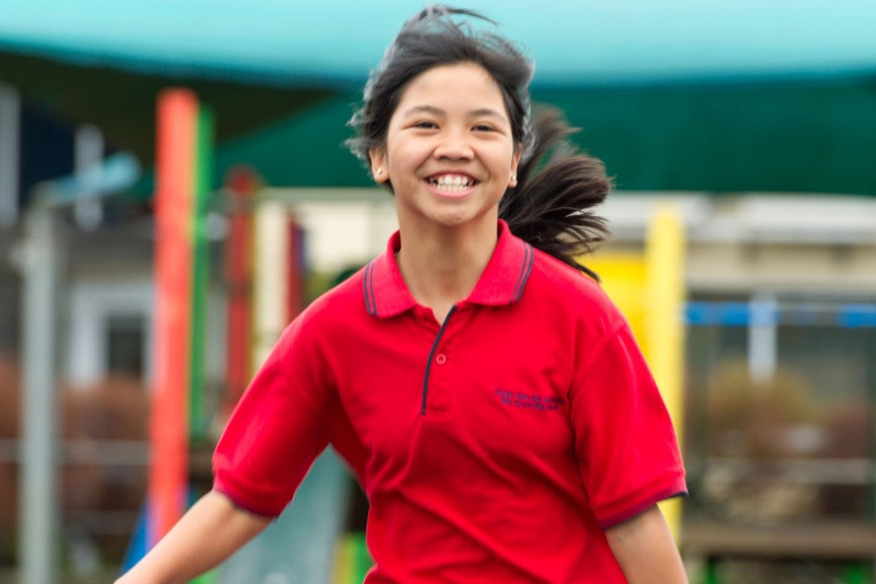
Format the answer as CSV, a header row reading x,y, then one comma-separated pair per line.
x,y
277,429
626,446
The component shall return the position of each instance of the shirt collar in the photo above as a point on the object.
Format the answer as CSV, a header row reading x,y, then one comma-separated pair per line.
x,y
501,283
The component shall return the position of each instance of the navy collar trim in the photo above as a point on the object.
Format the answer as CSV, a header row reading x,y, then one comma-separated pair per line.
x,y
502,282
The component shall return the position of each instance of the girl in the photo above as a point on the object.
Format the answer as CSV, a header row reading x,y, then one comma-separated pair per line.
x,y
487,395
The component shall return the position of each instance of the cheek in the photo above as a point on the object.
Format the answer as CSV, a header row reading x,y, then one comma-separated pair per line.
x,y
406,155
505,158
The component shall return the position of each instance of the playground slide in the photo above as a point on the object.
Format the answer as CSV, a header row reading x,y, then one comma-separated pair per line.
x,y
298,548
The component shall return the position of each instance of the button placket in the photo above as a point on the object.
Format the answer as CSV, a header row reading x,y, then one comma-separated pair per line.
x,y
440,384
436,390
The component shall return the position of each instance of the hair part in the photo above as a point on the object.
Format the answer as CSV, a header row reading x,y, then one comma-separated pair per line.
x,y
551,207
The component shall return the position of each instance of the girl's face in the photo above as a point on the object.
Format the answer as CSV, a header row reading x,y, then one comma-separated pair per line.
x,y
449,149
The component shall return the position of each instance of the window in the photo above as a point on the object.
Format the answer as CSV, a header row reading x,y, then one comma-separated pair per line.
x,y
125,340
109,331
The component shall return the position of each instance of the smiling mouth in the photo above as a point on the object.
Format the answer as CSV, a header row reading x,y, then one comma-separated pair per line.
x,y
452,183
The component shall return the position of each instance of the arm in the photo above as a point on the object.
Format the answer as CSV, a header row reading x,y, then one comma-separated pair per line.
x,y
645,550
212,530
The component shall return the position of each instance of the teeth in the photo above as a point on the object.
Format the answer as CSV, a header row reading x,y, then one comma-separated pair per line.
x,y
452,183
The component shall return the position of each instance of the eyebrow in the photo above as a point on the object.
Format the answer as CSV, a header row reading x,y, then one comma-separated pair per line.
x,y
430,109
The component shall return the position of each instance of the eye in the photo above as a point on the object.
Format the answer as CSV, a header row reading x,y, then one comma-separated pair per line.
x,y
484,128
425,125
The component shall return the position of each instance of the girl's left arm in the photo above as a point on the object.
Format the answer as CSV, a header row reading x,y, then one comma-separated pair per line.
x,y
646,551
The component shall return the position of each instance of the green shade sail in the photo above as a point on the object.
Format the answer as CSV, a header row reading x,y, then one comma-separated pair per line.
x,y
793,137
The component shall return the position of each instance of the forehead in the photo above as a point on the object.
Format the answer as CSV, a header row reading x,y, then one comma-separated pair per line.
x,y
464,84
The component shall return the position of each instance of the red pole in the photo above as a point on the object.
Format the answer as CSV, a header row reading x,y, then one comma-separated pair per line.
x,y
174,204
297,271
242,185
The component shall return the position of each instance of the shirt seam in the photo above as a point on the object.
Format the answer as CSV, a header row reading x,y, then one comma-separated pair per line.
x,y
602,346
323,367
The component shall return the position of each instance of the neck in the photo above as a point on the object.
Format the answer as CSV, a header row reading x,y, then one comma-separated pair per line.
x,y
441,266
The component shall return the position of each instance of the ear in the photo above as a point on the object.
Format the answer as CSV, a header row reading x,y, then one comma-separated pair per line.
x,y
515,163
379,169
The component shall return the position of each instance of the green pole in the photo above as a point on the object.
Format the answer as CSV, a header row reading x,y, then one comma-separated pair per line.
x,y
856,573
200,279
712,576
201,274
363,558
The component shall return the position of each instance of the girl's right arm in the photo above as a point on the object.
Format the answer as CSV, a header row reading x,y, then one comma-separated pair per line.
x,y
213,529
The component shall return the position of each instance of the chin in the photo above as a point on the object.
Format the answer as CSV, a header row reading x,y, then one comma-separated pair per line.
x,y
458,220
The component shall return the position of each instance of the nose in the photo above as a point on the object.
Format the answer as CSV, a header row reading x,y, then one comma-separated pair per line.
x,y
454,145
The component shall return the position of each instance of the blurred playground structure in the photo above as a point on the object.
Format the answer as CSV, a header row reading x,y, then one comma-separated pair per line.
x,y
154,243
775,402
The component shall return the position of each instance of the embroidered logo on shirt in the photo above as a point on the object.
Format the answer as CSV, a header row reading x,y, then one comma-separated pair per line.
x,y
528,401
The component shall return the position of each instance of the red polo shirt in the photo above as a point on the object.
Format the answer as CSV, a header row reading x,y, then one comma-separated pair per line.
x,y
494,448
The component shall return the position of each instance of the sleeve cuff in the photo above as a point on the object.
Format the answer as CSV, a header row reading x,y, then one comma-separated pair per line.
x,y
242,503
678,489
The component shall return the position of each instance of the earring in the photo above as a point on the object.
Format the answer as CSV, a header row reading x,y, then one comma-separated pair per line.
x,y
379,172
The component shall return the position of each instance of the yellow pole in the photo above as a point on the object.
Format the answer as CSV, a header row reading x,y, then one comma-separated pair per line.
x,y
664,329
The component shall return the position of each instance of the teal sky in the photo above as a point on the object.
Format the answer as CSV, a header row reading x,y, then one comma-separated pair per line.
x,y
611,41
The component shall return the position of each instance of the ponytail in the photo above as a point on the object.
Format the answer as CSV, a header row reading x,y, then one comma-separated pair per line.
x,y
552,206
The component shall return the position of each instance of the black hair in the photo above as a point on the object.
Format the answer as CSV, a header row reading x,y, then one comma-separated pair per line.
x,y
557,186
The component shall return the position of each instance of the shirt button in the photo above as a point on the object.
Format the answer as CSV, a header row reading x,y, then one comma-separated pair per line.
x,y
441,359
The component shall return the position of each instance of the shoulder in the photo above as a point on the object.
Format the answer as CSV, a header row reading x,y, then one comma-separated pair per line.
x,y
337,305
578,298
326,316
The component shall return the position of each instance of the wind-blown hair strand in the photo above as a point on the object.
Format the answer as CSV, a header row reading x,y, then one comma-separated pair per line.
x,y
557,186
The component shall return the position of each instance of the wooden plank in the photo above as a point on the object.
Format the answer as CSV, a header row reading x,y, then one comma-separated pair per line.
x,y
837,541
